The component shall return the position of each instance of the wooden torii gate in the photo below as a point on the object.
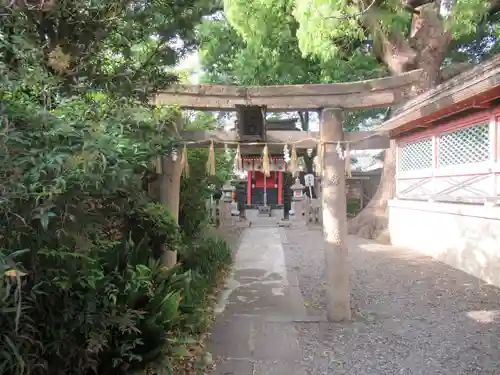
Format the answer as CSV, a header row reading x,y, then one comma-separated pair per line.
x,y
330,100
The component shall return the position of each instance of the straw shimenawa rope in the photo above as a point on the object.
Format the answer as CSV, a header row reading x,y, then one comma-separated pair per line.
x,y
210,166
293,160
374,133
319,159
265,161
238,162
185,162
348,160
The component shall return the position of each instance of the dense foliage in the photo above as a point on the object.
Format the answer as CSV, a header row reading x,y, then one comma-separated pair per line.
x,y
271,56
199,187
123,46
295,41
82,289
333,29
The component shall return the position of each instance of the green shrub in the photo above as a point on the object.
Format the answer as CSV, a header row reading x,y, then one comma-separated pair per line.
x,y
205,257
155,222
88,300
353,207
109,312
10,314
196,189
160,222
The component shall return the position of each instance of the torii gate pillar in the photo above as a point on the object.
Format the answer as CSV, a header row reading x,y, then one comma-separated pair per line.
x,y
335,218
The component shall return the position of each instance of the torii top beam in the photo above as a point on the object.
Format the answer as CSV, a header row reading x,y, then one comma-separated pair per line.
x,y
382,92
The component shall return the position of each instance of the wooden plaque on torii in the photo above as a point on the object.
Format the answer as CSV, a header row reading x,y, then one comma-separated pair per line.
x,y
251,123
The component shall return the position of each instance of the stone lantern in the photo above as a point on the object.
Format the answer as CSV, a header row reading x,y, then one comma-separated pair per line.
x,y
297,199
227,192
225,204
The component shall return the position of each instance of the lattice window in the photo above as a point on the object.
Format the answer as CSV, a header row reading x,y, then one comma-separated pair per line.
x,y
416,156
464,146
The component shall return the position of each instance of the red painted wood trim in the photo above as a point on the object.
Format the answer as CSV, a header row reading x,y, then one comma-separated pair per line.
x,y
495,111
249,188
473,102
496,119
280,187
487,116
270,180
260,158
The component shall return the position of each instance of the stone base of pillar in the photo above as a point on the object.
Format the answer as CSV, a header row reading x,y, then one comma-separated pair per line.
x,y
284,223
315,214
299,207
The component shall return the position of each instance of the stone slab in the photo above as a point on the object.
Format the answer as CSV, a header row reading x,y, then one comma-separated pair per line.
x,y
275,341
252,337
234,367
230,338
280,368
250,367
254,332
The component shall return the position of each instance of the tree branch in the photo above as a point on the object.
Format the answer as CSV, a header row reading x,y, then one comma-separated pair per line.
x,y
394,50
304,120
494,7
412,5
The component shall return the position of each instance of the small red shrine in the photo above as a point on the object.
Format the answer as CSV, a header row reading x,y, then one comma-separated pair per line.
x,y
258,182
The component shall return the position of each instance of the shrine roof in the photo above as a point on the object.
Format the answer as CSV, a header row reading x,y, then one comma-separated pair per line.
x,y
473,89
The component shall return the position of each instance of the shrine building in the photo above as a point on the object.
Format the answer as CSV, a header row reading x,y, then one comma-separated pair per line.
x,y
258,188
448,172
258,183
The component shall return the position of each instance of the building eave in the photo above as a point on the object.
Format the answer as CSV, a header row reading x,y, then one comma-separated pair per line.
x,y
475,88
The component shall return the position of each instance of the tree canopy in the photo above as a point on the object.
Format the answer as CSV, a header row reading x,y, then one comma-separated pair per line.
x,y
121,46
276,59
296,42
335,29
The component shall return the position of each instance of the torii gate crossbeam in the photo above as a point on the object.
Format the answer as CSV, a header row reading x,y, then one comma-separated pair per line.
x,y
373,93
381,92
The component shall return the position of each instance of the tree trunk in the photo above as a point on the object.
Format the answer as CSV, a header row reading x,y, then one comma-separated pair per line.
x,y
428,43
304,120
170,182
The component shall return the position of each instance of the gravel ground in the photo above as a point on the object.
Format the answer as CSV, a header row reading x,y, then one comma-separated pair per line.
x,y
412,315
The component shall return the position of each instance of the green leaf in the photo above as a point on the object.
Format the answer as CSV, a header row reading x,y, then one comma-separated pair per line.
x,y
180,351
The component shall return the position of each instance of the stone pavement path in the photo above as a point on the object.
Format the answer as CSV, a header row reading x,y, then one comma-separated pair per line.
x,y
412,315
254,333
